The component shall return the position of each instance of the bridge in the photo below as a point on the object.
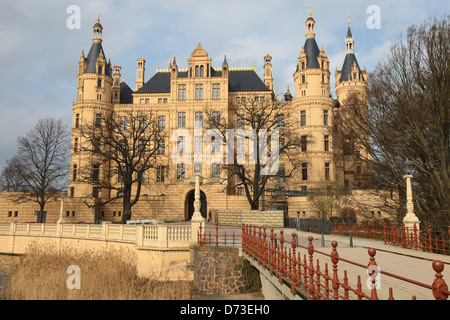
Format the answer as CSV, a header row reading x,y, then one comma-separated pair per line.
x,y
292,264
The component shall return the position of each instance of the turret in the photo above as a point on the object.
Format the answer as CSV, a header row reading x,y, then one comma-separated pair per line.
x,y
268,77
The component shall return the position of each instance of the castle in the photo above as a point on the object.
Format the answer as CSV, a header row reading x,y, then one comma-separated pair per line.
x,y
178,98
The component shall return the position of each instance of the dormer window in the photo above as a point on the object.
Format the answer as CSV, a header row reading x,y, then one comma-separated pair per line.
x,y
100,70
199,71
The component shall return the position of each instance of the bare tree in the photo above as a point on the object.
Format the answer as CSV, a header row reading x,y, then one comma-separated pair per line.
x,y
10,178
269,129
125,145
41,164
408,118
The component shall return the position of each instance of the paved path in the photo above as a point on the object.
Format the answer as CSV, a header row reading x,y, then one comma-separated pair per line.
x,y
408,263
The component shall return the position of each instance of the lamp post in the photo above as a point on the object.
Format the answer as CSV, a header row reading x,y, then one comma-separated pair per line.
x,y
410,219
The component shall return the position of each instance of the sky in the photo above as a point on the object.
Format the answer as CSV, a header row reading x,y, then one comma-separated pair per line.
x,y
41,43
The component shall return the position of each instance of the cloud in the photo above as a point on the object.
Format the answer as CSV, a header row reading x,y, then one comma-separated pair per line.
x,y
39,54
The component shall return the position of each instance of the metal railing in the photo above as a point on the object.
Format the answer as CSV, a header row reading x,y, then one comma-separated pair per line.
x,y
398,235
219,237
316,282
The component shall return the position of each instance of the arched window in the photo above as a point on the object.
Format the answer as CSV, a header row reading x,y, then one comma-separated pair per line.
x,y
197,71
202,71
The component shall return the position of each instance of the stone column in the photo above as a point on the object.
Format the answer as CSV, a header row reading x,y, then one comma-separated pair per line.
x,y
410,219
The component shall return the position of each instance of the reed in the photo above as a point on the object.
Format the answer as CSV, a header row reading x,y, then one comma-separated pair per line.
x,y
41,274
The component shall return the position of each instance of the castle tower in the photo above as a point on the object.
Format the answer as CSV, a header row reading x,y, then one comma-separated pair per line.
x,y
140,73
96,91
268,76
314,106
352,169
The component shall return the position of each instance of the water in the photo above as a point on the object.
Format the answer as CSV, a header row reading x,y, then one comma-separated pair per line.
x,y
6,269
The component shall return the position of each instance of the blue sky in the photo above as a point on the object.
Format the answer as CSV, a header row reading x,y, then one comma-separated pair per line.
x,y
39,54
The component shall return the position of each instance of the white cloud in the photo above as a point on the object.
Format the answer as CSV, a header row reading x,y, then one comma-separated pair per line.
x,y
39,55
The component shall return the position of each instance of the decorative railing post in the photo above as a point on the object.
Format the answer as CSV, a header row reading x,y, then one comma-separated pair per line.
x,y
272,253
294,265
259,246
440,288
281,258
334,261
374,268
264,243
311,269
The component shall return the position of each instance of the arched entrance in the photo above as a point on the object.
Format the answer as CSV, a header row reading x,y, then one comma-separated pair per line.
x,y
189,206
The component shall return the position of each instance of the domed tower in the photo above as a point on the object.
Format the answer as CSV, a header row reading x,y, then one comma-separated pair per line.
x,y
94,100
351,80
314,107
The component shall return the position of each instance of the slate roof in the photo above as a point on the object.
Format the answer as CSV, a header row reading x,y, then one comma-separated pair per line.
x,y
350,58
239,81
92,59
312,51
126,94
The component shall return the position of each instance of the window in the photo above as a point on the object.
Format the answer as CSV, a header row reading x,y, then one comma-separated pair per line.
x,y
198,144
180,144
215,171
142,101
327,171
75,145
99,83
240,191
99,96
142,123
215,145
240,142
304,171
198,123
123,123
198,91
100,69
180,171
95,172
216,91
77,121
120,170
162,147
198,168
303,65
182,92
95,192
326,143
240,122
282,173
162,123
181,119
160,173
325,117
303,79
75,172
71,192
216,117
304,143
280,121
98,120
303,118
147,101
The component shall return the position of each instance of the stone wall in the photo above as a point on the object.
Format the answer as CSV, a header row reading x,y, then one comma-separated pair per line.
x,y
223,271
251,217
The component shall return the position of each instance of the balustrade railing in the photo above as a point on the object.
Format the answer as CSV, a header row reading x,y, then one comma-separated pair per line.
x,y
321,282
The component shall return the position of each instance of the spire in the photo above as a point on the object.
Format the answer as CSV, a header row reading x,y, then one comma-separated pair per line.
x,y
98,29
349,41
225,63
310,25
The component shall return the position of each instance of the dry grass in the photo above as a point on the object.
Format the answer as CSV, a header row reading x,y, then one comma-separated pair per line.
x,y
42,274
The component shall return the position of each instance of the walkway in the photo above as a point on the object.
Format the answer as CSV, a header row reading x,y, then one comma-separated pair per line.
x,y
411,264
